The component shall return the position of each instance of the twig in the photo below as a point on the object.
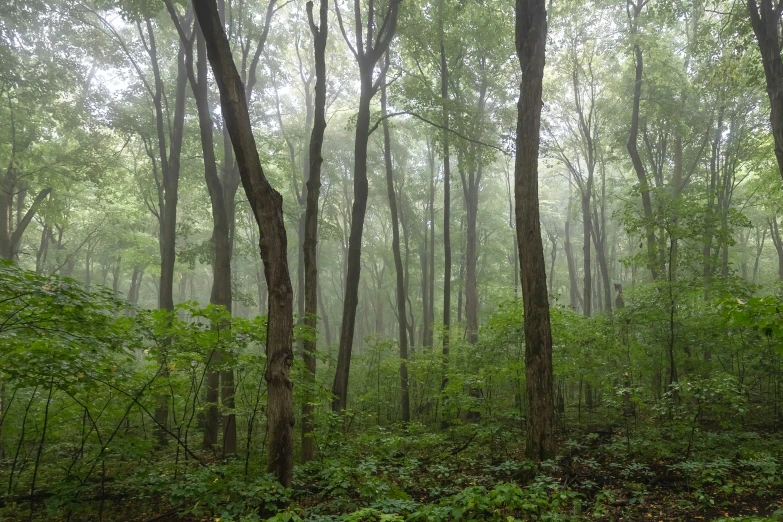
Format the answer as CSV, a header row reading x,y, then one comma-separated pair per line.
x,y
447,129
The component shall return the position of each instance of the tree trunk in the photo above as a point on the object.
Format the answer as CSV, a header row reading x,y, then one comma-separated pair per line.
x,y
587,293
425,285
221,265
531,29
170,169
402,317
367,56
471,258
11,236
135,285
351,299
324,316
778,242
267,205
444,93
43,249
575,296
636,159
116,272
310,244
766,21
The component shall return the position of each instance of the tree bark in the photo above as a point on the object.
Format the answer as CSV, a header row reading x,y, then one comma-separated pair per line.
x,y
765,19
267,205
367,55
310,244
573,285
135,285
778,242
530,36
587,292
10,238
402,317
470,188
444,93
636,159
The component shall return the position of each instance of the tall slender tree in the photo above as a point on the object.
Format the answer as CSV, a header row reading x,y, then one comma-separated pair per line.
x,y
402,318
267,206
530,36
765,18
310,245
367,49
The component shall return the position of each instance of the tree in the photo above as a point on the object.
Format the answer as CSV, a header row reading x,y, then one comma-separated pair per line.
x,y
765,19
310,244
367,51
267,205
530,37
402,317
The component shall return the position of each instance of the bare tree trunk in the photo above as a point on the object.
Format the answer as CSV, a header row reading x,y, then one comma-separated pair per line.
x,y
351,299
221,264
324,317
531,29
116,272
587,293
759,249
766,22
444,92
43,248
402,317
135,285
470,188
367,55
575,296
778,242
267,205
425,285
310,244
633,150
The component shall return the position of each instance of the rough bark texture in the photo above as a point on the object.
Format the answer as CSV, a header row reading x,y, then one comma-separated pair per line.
x,y
765,18
310,245
267,205
402,318
531,29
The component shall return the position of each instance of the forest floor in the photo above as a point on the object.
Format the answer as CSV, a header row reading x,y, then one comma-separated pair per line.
x,y
474,472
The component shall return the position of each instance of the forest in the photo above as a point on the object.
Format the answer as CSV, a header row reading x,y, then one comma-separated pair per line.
x,y
391,260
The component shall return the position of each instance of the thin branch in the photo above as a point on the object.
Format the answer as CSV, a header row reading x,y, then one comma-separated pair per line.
x,y
425,120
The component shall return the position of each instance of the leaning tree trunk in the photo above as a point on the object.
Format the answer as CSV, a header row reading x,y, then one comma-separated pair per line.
x,y
267,205
531,29
310,245
766,23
